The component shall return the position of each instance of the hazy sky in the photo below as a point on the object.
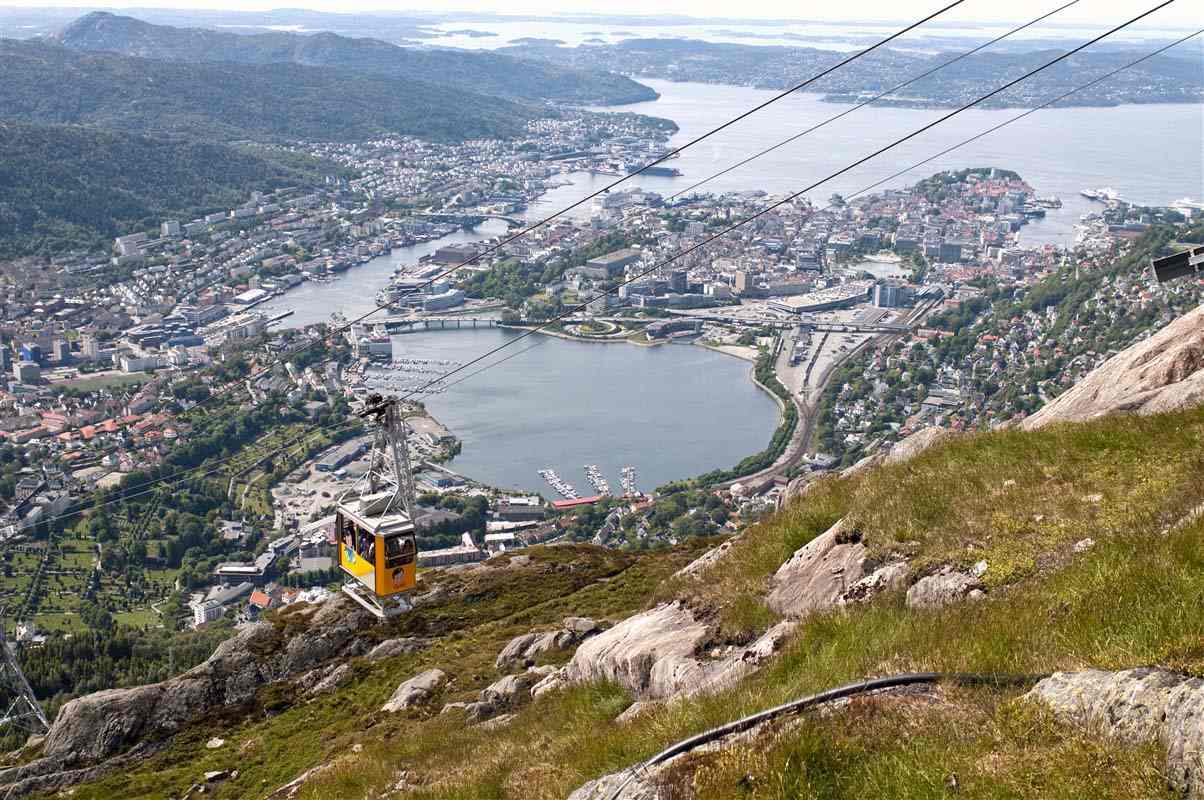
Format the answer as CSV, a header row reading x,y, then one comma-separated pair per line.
x,y
1184,13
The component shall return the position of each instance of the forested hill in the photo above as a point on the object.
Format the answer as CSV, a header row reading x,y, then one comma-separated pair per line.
x,y
1174,77
478,72
67,187
46,82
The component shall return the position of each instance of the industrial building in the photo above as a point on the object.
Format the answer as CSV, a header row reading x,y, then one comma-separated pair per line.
x,y
893,294
343,455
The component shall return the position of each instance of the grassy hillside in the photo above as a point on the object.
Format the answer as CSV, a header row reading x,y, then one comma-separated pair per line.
x,y
1018,500
64,187
48,83
477,72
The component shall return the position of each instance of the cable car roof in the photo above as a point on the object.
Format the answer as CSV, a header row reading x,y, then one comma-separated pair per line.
x,y
376,513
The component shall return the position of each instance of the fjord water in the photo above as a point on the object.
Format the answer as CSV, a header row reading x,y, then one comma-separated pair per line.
x,y
672,411
1059,151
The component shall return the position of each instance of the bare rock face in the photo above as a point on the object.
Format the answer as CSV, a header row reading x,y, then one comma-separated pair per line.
x,y
522,650
550,682
891,575
629,787
391,648
903,450
650,654
910,447
415,691
1137,705
797,488
945,587
502,696
97,726
705,561
332,680
818,573
655,656
1163,373
510,691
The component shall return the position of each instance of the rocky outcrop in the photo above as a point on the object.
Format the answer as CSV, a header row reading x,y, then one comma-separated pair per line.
x,y
892,575
522,651
650,654
1163,373
707,560
502,696
510,691
326,681
903,450
93,728
391,648
910,447
1137,705
416,691
655,655
818,573
945,587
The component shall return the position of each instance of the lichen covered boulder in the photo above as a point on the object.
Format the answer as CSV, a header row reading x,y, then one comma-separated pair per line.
x,y
818,573
1136,706
415,691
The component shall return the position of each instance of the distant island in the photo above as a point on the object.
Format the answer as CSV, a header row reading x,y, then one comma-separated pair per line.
x,y
471,33
536,41
1170,78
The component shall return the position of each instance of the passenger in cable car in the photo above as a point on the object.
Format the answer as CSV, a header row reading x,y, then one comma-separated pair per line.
x,y
399,549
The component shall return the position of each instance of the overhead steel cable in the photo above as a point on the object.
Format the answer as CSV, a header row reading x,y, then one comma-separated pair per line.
x,y
791,197
198,472
875,98
1046,104
303,437
533,227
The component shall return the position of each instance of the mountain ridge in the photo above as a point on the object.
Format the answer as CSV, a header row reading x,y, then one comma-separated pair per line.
x,y
48,83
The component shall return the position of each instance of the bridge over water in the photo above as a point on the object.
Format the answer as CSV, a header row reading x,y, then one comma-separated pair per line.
x,y
414,324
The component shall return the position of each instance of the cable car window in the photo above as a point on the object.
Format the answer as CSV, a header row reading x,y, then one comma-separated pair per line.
x,y
398,550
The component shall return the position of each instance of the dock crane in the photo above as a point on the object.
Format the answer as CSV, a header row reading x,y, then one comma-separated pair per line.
x,y
374,520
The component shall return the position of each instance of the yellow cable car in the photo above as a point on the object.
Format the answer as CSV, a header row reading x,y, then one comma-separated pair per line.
x,y
374,520
379,551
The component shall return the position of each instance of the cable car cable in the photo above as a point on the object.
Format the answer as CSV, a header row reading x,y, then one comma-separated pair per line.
x,y
294,442
530,228
861,191
789,198
873,99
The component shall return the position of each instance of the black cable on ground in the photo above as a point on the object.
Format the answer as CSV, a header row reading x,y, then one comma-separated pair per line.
x,y
828,696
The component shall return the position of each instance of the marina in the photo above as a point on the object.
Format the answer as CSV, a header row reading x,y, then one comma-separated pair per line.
x,y
594,475
563,487
628,481
410,375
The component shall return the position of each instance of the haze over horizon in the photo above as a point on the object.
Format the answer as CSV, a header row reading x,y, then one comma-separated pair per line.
x,y
1097,14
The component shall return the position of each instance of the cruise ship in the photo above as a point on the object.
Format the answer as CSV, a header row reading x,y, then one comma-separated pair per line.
x,y
1102,195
